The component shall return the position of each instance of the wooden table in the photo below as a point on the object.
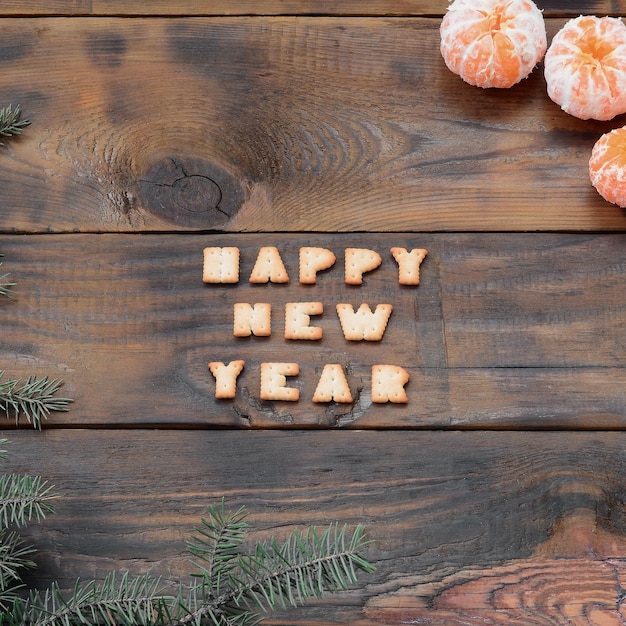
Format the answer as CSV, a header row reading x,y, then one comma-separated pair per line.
x,y
495,495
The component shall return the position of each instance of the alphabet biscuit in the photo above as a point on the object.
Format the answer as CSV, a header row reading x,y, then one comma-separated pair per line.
x,y
273,381
269,267
332,385
357,262
221,265
313,260
297,320
252,319
226,377
388,384
363,324
409,264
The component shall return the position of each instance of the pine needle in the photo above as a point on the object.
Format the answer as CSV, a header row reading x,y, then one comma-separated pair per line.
x,y
5,284
271,575
24,498
34,398
10,123
120,600
307,565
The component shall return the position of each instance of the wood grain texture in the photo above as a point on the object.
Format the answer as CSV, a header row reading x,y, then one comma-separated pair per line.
x,y
466,528
504,331
495,496
280,124
400,8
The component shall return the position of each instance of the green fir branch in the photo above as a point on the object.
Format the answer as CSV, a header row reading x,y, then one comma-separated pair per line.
x,y
10,122
5,284
216,544
24,499
307,565
118,601
34,398
14,559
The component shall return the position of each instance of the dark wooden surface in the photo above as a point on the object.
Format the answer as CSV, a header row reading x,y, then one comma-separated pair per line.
x,y
499,333
467,527
380,8
496,494
280,124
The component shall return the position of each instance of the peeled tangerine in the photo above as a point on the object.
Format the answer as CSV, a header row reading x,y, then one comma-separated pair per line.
x,y
607,166
493,43
585,67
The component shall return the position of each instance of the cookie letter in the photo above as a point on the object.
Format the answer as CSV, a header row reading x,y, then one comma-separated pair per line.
x,y
364,324
221,265
269,267
357,262
226,377
409,264
332,385
313,260
297,320
273,381
388,383
253,319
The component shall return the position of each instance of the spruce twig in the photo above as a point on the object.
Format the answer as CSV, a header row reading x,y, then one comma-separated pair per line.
x,y
5,284
308,565
34,398
118,601
10,122
14,559
24,498
216,544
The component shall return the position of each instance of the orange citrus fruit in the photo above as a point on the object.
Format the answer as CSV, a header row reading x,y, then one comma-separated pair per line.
x,y
493,43
585,67
607,166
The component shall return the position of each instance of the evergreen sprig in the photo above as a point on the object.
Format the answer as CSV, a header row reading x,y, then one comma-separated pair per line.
x,y
118,601
10,122
34,398
231,587
216,545
14,558
22,499
5,284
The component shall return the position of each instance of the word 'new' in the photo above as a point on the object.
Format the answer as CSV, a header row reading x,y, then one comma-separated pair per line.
x,y
360,325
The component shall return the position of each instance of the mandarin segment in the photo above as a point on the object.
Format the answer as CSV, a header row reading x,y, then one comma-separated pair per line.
x,y
607,166
493,43
585,67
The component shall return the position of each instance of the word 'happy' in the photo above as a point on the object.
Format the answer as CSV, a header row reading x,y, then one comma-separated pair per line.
x,y
221,266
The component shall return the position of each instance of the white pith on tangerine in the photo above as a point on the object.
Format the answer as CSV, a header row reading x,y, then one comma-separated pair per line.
x,y
492,43
585,67
607,166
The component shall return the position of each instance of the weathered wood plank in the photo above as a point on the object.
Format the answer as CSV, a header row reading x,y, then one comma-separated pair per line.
x,y
280,124
555,299
401,8
504,331
478,528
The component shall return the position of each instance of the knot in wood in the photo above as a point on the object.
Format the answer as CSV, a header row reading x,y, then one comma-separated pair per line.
x,y
197,193
190,192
